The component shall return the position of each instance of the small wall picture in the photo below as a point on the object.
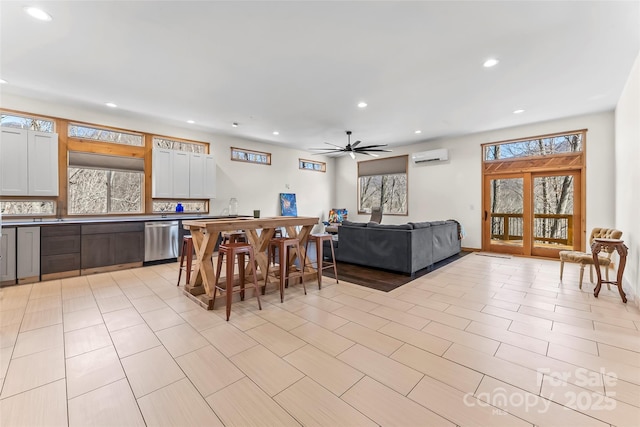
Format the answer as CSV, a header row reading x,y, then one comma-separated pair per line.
x,y
288,205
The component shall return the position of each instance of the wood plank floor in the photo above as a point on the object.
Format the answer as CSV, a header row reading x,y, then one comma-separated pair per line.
x,y
482,341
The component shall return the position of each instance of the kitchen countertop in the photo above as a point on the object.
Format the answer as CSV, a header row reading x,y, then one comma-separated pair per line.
x,y
96,219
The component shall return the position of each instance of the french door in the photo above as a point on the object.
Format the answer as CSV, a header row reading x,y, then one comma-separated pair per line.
x,y
532,213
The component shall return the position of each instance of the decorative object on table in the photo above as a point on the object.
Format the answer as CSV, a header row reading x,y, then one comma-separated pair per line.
x,y
179,207
256,213
288,205
336,216
354,148
233,206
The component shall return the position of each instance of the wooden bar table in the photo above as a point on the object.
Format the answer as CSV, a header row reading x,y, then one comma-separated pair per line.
x,y
205,234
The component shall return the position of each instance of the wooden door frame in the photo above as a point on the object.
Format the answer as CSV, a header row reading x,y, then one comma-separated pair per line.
x,y
577,216
556,164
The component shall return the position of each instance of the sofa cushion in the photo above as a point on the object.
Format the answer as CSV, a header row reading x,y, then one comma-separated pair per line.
x,y
390,226
354,224
417,225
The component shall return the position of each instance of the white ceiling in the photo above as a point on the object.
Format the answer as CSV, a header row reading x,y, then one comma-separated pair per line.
x,y
301,67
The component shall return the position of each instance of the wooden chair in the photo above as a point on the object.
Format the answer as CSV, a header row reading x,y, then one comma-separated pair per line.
x,y
585,259
321,264
376,215
231,250
284,245
186,253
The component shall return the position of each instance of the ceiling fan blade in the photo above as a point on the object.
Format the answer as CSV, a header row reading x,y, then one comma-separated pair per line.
x,y
352,154
365,147
355,144
327,151
379,150
367,154
334,145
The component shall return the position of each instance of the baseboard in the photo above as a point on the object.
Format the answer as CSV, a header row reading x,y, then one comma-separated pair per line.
x,y
108,268
60,275
470,249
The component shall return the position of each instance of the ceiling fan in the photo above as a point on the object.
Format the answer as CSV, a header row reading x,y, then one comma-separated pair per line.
x,y
353,149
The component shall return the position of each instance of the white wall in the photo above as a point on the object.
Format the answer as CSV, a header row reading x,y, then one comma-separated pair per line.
x,y
627,176
453,189
255,186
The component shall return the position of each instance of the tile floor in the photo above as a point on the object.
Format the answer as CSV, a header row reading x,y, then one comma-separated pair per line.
x,y
483,341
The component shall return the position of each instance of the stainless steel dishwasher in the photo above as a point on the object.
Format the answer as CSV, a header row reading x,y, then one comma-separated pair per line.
x,y
160,240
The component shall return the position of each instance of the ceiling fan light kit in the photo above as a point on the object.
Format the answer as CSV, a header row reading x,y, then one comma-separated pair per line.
x,y
353,149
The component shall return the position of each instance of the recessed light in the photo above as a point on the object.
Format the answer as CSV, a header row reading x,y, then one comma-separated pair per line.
x,y
190,122
362,104
491,62
110,104
234,124
3,81
275,132
518,111
38,13
418,131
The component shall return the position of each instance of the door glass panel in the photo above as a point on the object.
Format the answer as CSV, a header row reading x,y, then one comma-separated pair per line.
x,y
553,211
506,211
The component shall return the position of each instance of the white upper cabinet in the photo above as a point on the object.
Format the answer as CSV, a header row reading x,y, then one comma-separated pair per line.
x,y
196,175
182,175
162,173
43,164
29,163
209,176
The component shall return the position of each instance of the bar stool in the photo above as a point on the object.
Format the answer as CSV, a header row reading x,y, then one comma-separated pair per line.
x,y
186,252
321,264
231,250
284,245
233,237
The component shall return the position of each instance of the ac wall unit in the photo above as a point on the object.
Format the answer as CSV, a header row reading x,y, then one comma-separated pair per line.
x,y
439,155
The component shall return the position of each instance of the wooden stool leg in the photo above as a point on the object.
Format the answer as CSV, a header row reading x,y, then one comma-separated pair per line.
x,y
319,260
255,277
581,274
218,270
333,260
284,269
561,269
241,274
266,274
229,288
189,250
184,243
301,267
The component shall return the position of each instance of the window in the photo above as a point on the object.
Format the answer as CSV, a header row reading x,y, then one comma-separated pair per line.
x,y
98,191
28,207
172,144
383,183
105,135
242,155
191,206
26,122
541,146
311,165
101,184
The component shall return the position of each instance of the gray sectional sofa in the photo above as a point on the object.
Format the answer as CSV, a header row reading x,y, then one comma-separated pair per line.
x,y
405,248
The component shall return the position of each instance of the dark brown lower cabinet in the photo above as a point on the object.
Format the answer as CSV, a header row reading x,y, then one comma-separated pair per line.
x,y
108,244
59,250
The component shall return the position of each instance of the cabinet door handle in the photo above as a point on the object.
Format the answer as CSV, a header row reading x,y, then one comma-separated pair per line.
x,y
485,215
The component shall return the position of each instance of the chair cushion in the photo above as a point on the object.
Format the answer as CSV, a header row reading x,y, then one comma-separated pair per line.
x,y
582,258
